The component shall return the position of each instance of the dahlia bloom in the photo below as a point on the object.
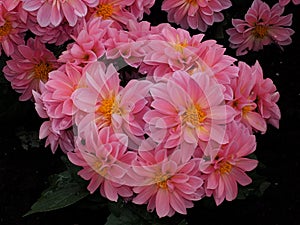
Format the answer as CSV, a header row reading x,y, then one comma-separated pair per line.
x,y
104,103
89,43
226,167
195,14
266,97
262,26
105,161
115,10
187,110
254,98
29,65
53,12
62,138
166,184
12,30
139,7
51,35
56,96
170,49
285,2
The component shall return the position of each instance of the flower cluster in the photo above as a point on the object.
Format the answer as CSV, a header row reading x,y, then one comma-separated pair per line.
x,y
152,114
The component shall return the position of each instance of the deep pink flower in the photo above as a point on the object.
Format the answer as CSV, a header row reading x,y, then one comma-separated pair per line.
x,y
54,11
225,167
105,161
29,65
165,183
285,2
187,110
194,13
12,30
262,26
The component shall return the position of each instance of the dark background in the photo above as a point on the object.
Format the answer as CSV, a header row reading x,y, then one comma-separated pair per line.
x,y
25,165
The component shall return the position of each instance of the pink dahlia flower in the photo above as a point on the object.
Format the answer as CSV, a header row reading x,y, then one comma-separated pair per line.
x,y
267,97
115,10
30,64
104,103
89,43
139,7
12,30
285,2
166,184
169,49
255,98
105,161
187,110
51,35
56,96
195,14
63,138
226,167
54,11
262,26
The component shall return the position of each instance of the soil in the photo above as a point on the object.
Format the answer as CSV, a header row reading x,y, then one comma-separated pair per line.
x,y
25,166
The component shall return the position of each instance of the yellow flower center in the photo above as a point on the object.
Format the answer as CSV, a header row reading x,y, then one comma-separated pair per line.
x,y
180,45
260,31
108,107
246,109
97,167
193,2
5,29
161,181
42,70
194,115
225,167
105,11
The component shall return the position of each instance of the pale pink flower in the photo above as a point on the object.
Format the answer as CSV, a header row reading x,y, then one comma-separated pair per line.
x,y
12,30
194,13
115,10
188,109
226,167
105,161
165,183
107,104
262,26
29,65
89,43
285,2
172,49
54,11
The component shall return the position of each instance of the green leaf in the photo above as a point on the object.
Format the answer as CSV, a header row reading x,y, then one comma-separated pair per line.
x,y
54,198
65,189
